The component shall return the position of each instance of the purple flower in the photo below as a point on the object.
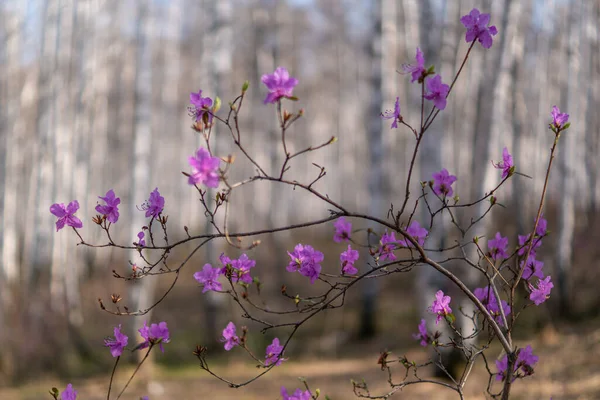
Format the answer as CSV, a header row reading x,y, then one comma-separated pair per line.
x,y
204,169
273,353
65,215
144,398
111,209
141,241
306,261
201,106
154,205
537,242
279,83
437,92
240,267
348,258
422,335
69,393
229,337
440,306
506,164
388,245
497,247
394,115
209,278
488,299
297,395
416,231
117,344
542,292
542,226
533,268
558,118
417,70
343,229
525,361
442,183
156,333
476,24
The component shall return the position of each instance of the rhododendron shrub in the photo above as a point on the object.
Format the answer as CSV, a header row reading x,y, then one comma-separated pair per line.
x,y
396,246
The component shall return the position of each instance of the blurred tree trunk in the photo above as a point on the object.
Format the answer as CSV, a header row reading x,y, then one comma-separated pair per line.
x,y
569,160
142,292
377,207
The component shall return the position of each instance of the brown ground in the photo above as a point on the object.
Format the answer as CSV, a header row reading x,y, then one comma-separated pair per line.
x,y
569,368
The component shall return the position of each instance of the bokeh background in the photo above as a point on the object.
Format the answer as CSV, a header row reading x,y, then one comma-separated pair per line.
x,y
94,95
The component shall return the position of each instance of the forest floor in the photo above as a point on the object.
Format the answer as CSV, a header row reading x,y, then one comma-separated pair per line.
x,y
569,368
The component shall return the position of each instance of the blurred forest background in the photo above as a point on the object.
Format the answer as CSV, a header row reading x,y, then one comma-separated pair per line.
x,y
93,96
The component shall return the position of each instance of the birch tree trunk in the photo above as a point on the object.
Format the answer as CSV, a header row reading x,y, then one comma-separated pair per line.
x,y
373,127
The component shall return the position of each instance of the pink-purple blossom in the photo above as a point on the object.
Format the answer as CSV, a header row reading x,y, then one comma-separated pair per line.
x,y
154,334
442,183
273,353
416,231
118,343
69,393
524,363
440,306
240,268
417,70
111,209
533,268
229,337
558,118
306,261
422,335
200,106
66,215
476,24
348,258
497,247
537,242
506,164
298,394
394,115
488,299
279,83
154,205
540,293
141,241
343,228
388,244
209,278
205,169
437,92
542,226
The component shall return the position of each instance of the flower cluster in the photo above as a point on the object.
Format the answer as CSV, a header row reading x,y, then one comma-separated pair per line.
x,y
66,215
274,353
416,231
204,169
343,230
230,337
238,269
422,335
306,261
488,299
476,24
154,334
497,247
388,244
154,205
348,258
280,84
440,306
442,183
209,278
298,394
111,210
525,362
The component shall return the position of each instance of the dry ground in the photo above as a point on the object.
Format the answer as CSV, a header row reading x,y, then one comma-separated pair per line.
x,y
569,368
